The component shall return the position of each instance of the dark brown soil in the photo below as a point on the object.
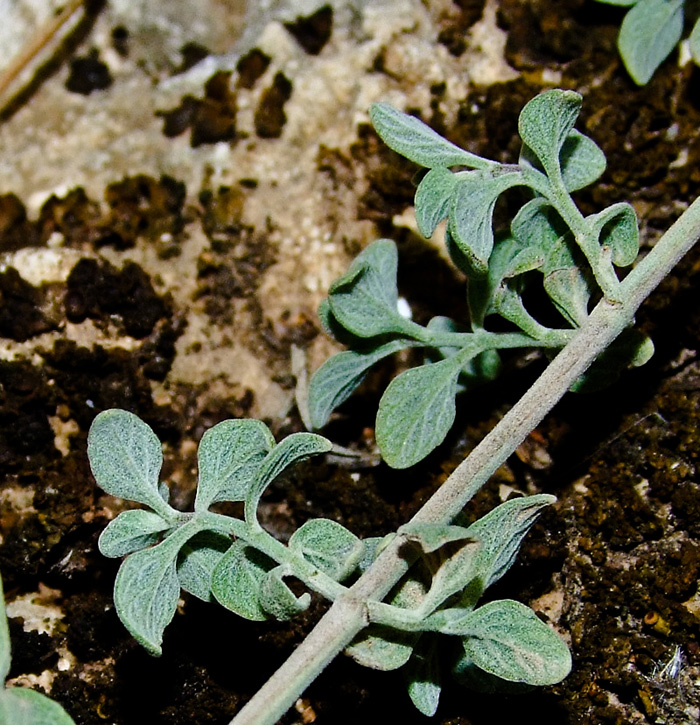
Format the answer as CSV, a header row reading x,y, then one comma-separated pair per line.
x,y
622,545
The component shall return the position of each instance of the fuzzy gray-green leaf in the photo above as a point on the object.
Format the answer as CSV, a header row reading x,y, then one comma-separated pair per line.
x,y
338,377
292,449
416,412
618,230
277,599
329,546
146,589
230,455
582,161
506,639
458,568
471,214
131,531
413,139
500,533
432,200
423,675
648,34
382,648
568,284
545,122
20,706
198,559
364,300
126,458
237,580
537,225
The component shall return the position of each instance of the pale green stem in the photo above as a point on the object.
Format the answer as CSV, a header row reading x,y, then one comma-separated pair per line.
x,y
587,241
348,615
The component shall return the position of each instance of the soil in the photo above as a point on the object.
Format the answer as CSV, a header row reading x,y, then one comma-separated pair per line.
x,y
167,230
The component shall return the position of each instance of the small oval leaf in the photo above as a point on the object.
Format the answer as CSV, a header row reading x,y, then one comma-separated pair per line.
x,y
131,531
364,300
382,648
545,122
416,411
432,200
618,230
471,214
329,546
507,639
500,533
335,381
146,589
198,559
277,599
238,578
582,161
230,455
126,458
292,449
413,139
648,34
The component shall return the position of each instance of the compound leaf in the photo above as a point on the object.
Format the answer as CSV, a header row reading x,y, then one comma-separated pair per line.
x,y
507,639
21,706
413,139
329,546
126,458
230,455
238,578
500,533
545,123
648,34
364,300
416,411
338,377
131,531
198,559
433,197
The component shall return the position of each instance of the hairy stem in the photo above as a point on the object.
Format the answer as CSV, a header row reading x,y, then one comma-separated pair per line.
x,y
348,615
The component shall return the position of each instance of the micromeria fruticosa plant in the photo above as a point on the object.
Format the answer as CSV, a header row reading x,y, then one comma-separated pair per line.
x,y
650,30
409,599
20,705
550,241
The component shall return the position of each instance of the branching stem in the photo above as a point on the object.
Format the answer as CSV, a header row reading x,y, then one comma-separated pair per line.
x,y
349,614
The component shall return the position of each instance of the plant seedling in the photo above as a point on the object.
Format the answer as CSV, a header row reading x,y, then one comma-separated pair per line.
x,y
398,600
235,562
550,243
